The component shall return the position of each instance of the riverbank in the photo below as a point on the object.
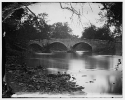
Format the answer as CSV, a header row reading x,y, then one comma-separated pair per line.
x,y
24,79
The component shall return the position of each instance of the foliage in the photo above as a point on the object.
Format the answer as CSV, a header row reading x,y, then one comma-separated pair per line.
x,y
60,30
97,33
103,33
7,91
37,79
21,21
114,15
22,26
89,33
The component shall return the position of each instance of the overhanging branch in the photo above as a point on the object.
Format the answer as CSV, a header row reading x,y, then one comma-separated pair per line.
x,y
8,10
71,9
90,7
74,11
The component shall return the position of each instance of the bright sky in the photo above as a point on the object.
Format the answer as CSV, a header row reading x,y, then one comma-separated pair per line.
x,y
56,14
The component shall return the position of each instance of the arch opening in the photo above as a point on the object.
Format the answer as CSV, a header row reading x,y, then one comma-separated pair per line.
x,y
35,48
82,46
57,47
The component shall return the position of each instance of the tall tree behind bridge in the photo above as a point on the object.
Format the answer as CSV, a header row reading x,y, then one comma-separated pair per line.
x,y
61,30
97,33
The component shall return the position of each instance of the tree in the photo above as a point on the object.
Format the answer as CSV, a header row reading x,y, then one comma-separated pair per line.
x,y
60,30
104,33
114,16
24,24
12,14
89,33
93,32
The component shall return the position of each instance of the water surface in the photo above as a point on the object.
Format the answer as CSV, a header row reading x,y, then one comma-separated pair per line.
x,y
99,74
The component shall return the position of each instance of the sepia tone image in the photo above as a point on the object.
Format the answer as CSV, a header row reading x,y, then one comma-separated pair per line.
x,y
62,49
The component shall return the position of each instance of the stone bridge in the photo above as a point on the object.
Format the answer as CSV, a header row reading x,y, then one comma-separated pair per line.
x,y
94,44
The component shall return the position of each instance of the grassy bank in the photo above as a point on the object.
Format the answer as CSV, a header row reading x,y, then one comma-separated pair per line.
x,y
23,79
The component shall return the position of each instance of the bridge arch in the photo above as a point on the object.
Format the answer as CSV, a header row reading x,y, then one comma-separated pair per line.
x,y
82,46
35,47
58,46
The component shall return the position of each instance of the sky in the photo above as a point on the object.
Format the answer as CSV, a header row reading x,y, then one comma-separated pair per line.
x,y
57,14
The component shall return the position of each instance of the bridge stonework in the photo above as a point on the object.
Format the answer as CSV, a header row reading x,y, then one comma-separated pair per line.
x,y
94,43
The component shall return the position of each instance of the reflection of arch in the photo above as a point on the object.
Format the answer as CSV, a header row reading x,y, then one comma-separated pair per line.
x,y
84,46
35,47
59,46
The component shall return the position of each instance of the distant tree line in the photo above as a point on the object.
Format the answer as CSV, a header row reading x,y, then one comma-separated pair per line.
x,y
93,32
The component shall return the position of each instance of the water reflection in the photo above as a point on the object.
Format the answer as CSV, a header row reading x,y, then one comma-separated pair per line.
x,y
76,65
97,73
99,81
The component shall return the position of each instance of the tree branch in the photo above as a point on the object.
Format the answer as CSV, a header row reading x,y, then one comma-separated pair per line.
x,y
90,7
71,9
31,12
74,11
8,10
36,18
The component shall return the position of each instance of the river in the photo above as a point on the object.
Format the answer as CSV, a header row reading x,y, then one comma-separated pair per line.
x,y
99,74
